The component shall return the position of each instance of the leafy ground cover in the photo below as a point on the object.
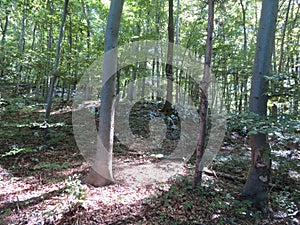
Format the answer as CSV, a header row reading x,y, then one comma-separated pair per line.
x,y
40,179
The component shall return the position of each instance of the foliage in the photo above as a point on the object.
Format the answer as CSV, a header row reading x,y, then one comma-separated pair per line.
x,y
47,165
220,206
249,123
286,202
175,202
15,150
76,191
25,73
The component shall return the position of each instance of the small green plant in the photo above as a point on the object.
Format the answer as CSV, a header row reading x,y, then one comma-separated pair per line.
x,y
285,201
15,151
76,191
74,196
47,165
240,207
8,212
188,205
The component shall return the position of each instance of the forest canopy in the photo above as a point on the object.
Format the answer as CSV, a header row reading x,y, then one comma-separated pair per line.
x,y
223,72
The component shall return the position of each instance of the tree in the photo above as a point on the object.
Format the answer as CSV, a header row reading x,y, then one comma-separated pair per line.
x,y
256,187
22,40
244,84
169,67
101,172
4,31
55,70
204,95
283,36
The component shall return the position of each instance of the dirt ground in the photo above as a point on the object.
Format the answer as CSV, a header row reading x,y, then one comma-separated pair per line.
x,y
42,185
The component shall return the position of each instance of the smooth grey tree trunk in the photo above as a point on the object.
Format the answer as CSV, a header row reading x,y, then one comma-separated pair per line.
x,y
283,37
21,42
57,59
86,13
132,84
70,38
49,47
101,173
256,187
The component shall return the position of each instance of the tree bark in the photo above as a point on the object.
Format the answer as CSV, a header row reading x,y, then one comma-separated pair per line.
x,y
256,187
245,45
57,59
204,96
4,31
297,91
33,37
49,47
86,13
70,72
169,66
177,22
21,42
283,36
101,173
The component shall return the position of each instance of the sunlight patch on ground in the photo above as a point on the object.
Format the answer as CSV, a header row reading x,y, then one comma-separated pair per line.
x,y
134,183
118,194
150,173
293,154
80,167
25,189
60,111
294,174
13,186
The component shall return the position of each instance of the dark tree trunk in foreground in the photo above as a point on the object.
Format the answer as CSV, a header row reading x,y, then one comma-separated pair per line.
x,y
204,96
101,172
256,188
58,50
169,66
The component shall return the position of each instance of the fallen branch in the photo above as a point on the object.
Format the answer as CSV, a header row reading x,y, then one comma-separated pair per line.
x,y
224,175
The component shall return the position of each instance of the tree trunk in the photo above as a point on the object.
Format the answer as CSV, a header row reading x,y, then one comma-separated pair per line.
x,y
256,187
101,172
70,38
283,36
245,45
58,50
177,22
169,66
22,42
49,47
86,13
33,37
132,84
204,96
3,42
297,91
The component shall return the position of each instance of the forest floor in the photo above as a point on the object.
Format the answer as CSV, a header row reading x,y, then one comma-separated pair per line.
x,y
40,180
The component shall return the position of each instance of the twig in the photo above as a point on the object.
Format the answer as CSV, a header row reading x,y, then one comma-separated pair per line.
x,y
17,204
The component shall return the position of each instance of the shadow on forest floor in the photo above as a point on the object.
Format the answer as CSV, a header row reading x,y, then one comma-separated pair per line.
x,y
40,182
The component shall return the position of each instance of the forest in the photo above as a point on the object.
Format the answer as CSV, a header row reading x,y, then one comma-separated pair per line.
x,y
149,112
